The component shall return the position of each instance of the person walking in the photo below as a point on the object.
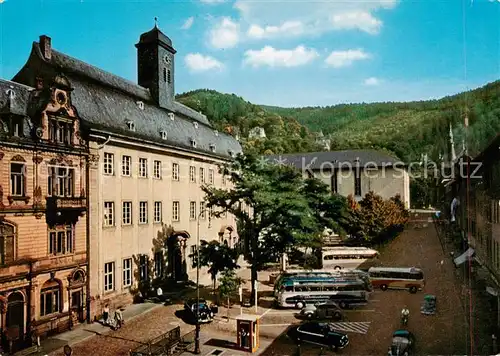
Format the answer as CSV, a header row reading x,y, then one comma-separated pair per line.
x,y
105,314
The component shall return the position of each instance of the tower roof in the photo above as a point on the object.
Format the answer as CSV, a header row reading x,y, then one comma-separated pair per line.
x,y
154,36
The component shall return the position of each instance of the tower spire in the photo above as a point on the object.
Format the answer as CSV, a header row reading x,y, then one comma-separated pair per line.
x,y
452,145
156,22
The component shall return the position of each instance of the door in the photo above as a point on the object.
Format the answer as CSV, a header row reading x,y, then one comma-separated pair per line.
x,y
14,322
245,334
311,333
77,304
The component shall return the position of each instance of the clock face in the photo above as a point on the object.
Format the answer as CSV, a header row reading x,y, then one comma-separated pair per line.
x,y
166,59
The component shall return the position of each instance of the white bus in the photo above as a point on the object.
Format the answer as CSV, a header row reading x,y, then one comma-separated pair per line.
x,y
298,292
347,257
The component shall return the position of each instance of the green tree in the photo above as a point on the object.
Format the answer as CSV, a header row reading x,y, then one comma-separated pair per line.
x,y
269,208
217,257
229,286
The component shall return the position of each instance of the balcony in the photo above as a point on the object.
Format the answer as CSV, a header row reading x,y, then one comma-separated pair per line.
x,y
63,203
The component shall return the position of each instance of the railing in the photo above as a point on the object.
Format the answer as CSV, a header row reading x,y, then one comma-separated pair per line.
x,y
67,202
171,343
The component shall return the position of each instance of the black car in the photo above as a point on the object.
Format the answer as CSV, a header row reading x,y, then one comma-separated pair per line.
x,y
328,310
206,313
321,334
403,343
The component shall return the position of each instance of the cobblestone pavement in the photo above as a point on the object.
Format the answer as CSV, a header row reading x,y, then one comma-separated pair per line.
x,y
443,334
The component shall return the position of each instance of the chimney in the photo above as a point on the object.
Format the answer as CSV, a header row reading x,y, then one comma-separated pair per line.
x,y
45,47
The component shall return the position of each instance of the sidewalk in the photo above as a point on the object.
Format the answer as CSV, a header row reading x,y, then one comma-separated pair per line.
x,y
82,332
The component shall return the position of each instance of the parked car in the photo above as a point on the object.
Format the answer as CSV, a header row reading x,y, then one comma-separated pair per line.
x,y
321,334
328,310
206,312
403,343
345,301
429,305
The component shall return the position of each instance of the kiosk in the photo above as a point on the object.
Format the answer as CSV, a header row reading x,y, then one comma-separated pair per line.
x,y
247,327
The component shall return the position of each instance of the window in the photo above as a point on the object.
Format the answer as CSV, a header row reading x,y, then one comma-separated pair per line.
x,y
164,134
61,182
210,176
109,162
164,74
175,171
157,212
175,211
17,179
157,169
60,131
357,182
169,77
143,267
202,175
7,244
143,212
333,182
203,213
192,174
143,167
192,210
131,125
109,276
50,298
127,272
212,147
61,240
109,213
126,163
159,264
127,213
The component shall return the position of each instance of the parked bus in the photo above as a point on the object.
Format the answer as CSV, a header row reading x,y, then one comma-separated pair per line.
x,y
317,273
385,278
347,257
300,292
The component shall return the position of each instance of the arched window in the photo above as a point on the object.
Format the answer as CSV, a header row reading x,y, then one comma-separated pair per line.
x,y
50,298
7,243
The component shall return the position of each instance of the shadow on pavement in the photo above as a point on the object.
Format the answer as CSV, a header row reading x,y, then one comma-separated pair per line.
x,y
223,343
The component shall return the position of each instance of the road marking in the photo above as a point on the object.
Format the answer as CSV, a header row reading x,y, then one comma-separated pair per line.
x,y
359,310
275,324
267,311
277,312
360,327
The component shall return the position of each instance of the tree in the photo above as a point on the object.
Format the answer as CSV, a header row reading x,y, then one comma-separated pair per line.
x,y
269,208
228,286
218,257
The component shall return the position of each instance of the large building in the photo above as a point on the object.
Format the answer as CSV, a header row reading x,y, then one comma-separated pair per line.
x,y
43,205
148,157
353,172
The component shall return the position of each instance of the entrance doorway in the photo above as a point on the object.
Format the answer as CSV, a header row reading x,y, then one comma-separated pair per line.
x,y
77,305
14,321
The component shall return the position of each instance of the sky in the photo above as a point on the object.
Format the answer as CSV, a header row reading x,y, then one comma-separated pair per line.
x,y
287,53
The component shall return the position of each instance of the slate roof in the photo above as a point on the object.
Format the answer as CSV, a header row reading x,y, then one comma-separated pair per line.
x,y
14,99
107,102
336,159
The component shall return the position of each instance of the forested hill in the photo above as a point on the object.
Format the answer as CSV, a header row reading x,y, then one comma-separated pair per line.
x,y
232,114
407,129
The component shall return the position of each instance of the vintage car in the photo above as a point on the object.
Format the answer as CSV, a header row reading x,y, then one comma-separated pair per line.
x,y
328,310
429,305
320,334
206,312
403,343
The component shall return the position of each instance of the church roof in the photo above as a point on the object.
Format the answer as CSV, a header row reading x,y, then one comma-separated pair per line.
x,y
155,35
107,102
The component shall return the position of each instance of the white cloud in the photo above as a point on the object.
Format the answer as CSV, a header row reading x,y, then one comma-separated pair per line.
x,y
315,17
269,56
197,62
289,28
372,81
2,1
361,20
338,59
225,34
188,23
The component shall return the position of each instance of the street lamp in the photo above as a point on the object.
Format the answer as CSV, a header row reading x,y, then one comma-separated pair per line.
x,y
197,350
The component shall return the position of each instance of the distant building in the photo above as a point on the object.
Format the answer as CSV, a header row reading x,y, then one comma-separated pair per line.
x,y
257,132
353,172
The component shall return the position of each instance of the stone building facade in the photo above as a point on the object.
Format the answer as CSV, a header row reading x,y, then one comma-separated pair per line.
x,y
43,205
148,157
353,172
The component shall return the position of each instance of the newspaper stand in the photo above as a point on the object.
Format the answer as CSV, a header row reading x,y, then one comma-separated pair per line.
x,y
247,327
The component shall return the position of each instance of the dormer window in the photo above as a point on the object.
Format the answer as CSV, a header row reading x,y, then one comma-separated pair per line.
x,y
140,104
163,134
131,125
195,125
216,133
231,153
61,130
212,147
171,116
193,143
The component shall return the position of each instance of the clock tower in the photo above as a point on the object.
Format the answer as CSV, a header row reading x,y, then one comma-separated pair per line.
x,y
155,66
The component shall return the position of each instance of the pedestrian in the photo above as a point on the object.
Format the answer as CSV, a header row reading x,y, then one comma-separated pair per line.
x,y
119,318
105,314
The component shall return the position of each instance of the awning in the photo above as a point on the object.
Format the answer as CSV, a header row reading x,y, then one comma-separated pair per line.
x,y
467,255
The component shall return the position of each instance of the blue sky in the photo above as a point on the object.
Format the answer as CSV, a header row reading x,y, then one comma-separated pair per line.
x,y
287,53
